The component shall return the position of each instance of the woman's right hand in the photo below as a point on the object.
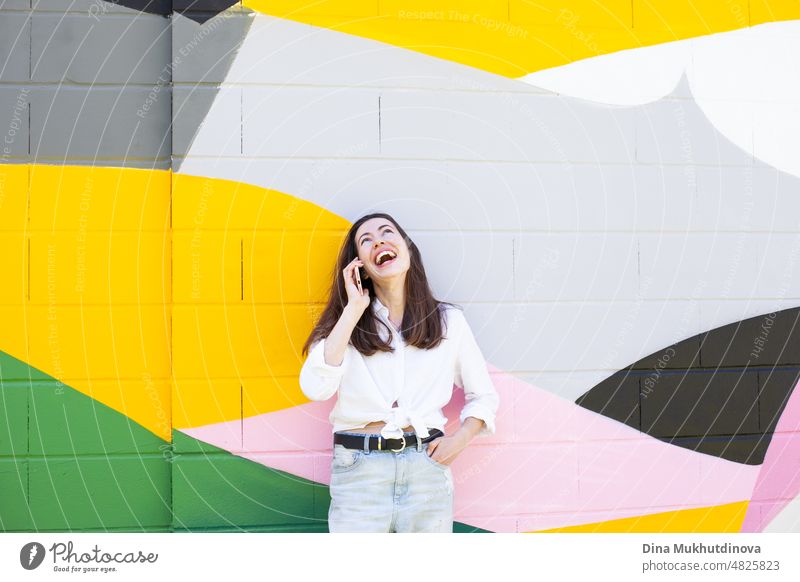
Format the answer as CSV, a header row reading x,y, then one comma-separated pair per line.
x,y
357,301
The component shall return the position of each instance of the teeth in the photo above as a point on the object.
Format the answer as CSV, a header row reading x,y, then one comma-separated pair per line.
x,y
382,254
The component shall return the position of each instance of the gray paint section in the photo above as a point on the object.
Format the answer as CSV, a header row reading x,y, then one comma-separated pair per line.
x,y
92,7
101,85
189,108
203,53
14,131
107,71
15,38
105,126
15,4
108,49
202,56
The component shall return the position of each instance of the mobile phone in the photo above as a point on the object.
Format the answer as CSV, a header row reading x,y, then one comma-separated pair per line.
x,y
358,279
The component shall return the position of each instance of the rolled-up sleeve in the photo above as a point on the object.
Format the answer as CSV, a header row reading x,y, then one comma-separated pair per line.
x,y
318,379
482,400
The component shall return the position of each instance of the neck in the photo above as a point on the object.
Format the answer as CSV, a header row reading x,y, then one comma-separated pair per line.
x,y
392,295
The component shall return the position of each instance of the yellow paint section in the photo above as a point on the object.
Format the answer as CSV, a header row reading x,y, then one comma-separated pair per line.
x,y
14,332
207,401
224,266
97,313
291,267
14,289
207,266
762,11
129,344
269,394
516,37
90,268
247,289
689,18
82,198
13,197
212,400
253,345
13,237
202,204
726,518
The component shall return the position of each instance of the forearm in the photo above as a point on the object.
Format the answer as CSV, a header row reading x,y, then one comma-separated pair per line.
x,y
337,340
471,427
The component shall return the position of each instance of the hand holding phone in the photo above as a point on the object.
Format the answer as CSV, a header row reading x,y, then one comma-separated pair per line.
x,y
357,295
357,273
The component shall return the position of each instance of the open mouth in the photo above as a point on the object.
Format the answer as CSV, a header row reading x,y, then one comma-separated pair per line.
x,y
385,257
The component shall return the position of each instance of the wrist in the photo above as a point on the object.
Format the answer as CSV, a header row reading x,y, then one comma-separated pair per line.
x,y
470,428
352,313
463,436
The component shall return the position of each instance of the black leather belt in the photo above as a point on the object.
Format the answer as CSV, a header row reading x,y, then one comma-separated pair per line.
x,y
379,443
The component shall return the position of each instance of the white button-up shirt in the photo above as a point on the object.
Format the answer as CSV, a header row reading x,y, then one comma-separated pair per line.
x,y
421,381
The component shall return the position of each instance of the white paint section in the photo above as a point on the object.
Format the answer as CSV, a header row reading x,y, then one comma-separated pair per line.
x,y
468,266
333,120
596,338
220,133
746,82
787,521
628,77
580,237
676,131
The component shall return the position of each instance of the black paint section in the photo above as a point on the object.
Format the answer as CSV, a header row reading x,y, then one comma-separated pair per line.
x,y
616,397
702,403
769,339
198,10
720,392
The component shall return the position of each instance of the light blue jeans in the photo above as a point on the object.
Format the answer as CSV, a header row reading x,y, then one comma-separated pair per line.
x,y
383,491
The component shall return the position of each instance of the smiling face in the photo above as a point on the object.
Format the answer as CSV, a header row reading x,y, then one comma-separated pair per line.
x,y
382,249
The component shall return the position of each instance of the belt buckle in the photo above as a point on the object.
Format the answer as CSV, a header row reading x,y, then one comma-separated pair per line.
x,y
403,438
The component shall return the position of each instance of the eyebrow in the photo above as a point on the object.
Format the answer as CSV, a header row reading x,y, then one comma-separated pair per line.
x,y
379,228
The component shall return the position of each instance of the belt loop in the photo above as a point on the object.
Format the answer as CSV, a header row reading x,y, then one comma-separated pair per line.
x,y
419,444
366,444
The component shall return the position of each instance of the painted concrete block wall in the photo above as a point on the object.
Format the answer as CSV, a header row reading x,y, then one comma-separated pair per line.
x,y
624,243
85,206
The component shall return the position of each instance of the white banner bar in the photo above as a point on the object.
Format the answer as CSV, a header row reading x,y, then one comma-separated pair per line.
x,y
347,557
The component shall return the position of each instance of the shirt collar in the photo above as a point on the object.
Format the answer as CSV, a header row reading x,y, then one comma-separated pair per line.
x,y
379,307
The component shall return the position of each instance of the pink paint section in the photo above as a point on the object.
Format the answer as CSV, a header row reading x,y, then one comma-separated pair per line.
x,y
300,428
649,473
779,479
550,464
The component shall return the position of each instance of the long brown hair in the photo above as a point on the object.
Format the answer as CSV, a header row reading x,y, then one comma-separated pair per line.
x,y
423,315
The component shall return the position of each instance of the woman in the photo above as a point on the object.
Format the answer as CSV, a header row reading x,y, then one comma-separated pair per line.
x,y
392,352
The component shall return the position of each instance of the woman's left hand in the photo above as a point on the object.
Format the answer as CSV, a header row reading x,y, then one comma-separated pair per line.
x,y
445,449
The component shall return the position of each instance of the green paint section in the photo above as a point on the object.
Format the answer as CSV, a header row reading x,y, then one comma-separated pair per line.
x,y
64,421
217,491
14,514
13,369
100,492
459,527
68,462
13,418
71,463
